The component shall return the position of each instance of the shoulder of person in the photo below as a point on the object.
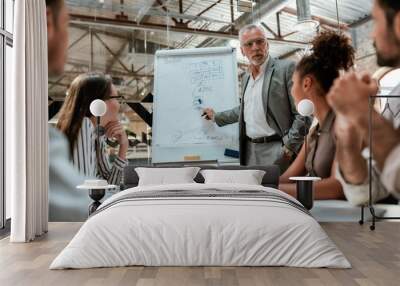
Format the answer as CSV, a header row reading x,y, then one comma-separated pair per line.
x,y
55,134
87,123
58,143
56,137
86,120
284,64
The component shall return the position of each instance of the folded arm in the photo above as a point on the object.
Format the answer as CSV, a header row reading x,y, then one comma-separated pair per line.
x,y
110,172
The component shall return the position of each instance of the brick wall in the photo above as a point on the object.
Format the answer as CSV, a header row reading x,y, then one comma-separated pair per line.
x,y
365,51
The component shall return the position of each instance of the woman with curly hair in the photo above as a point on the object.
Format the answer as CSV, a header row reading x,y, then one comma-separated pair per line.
x,y
312,79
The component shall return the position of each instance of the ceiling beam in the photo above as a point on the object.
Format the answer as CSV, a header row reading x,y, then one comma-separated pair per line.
x,y
181,9
278,24
142,15
208,8
128,84
57,81
91,51
139,69
78,40
112,53
132,25
138,94
288,54
161,2
361,21
269,29
87,20
117,56
142,112
186,41
148,98
232,16
120,35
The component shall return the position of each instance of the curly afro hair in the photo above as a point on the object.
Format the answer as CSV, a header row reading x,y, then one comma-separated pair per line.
x,y
331,52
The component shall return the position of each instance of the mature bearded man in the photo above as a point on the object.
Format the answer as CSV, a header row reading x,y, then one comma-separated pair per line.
x,y
271,130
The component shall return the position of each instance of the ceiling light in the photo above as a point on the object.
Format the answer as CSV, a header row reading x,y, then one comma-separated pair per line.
x,y
305,24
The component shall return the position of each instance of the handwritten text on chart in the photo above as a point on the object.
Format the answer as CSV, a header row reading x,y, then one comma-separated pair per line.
x,y
205,71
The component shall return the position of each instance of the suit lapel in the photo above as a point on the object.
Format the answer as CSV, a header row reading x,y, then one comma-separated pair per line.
x,y
269,70
242,126
245,83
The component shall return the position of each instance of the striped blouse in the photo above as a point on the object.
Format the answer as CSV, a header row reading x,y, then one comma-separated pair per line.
x,y
92,163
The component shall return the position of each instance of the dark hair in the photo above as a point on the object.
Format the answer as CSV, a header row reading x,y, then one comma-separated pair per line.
x,y
331,52
83,90
54,3
391,8
55,6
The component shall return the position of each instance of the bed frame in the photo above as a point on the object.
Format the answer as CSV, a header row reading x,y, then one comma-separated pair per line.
x,y
270,179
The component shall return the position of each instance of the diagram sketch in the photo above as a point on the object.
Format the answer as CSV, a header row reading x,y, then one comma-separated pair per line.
x,y
182,91
204,71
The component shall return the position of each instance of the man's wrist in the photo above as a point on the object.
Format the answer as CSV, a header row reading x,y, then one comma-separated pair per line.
x,y
356,177
361,120
287,152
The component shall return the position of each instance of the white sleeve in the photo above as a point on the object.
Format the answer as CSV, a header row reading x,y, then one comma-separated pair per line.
x,y
358,195
390,175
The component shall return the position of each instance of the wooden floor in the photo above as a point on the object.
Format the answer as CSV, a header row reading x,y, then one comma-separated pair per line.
x,y
375,257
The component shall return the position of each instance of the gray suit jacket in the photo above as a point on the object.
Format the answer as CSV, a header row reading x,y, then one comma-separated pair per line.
x,y
281,112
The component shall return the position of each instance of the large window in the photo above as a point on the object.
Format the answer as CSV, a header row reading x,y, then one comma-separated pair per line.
x,y
9,16
6,64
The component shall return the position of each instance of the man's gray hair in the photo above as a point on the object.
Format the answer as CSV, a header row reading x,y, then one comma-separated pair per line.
x,y
249,27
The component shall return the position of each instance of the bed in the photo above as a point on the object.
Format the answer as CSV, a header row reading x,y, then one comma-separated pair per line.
x,y
201,224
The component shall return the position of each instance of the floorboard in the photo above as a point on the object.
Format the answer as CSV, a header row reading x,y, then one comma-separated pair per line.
x,y
374,255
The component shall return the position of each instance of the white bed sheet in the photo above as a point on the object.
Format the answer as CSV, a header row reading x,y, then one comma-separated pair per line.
x,y
200,232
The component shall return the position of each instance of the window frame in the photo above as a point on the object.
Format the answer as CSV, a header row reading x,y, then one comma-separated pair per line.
x,y
12,3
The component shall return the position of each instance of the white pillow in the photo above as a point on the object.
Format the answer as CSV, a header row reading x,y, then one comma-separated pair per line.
x,y
248,177
165,176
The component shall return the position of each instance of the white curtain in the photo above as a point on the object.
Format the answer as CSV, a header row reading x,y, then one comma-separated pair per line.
x,y
26,124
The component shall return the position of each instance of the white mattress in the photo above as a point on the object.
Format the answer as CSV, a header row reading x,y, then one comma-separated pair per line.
x,y
200,232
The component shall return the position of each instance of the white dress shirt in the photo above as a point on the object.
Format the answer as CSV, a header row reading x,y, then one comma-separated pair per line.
x,y
390,175
254,113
